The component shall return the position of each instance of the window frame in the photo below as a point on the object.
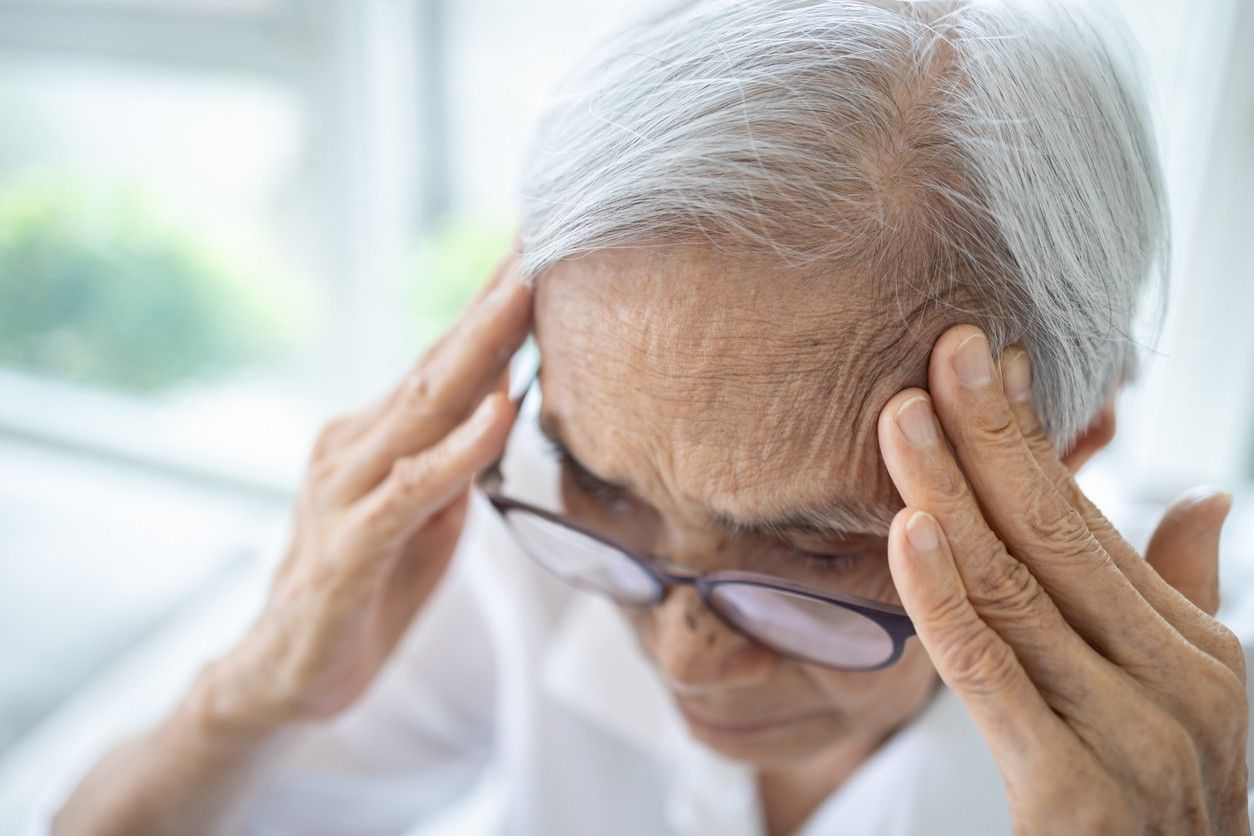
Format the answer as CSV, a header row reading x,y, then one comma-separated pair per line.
x,y
347,63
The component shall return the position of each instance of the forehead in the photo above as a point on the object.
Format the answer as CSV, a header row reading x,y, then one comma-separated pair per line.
x,y
705,381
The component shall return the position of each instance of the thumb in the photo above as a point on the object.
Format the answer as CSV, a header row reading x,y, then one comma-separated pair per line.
x,y
1185,547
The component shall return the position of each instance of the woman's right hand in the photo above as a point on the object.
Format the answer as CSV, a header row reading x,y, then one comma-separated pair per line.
x,y
376,523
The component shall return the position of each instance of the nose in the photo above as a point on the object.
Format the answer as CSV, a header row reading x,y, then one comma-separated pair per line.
x,y
697,652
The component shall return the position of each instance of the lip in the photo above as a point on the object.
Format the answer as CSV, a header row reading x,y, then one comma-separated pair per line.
x,y
732,727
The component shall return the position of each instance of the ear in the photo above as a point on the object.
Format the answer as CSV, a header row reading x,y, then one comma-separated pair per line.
x,y
1096,435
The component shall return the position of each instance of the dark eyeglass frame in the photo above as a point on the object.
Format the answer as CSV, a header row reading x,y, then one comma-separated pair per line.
x,y
889,617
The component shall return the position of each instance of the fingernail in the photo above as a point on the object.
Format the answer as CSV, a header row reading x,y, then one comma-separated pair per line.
x,y
1227,500
1016,375
972,362
482,415
1207,493
505,288
916,421
922,533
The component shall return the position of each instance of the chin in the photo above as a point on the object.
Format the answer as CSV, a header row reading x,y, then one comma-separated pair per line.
x,y
767,746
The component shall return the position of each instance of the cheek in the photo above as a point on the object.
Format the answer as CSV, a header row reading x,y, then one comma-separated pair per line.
x,y
881,697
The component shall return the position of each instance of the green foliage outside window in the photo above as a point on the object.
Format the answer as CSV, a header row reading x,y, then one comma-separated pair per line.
x,y
100,284
454,260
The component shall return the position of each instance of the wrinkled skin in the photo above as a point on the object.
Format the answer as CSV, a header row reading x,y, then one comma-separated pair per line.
x,y
1110,697
714,386
710,386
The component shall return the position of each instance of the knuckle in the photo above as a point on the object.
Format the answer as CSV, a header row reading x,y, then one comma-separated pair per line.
x,y
951,614
412,475
995,425
977,662
1048,521
424,401
1227,648
966,529
1102,529
370,529
324,581
377,525
1220,708
322,469
1172,764
986,667
418,389
1229,725
945,482
1006,587
330,436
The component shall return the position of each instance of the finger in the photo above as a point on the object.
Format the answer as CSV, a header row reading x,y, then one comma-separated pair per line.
x,y
502,270
1003,591
415,574
928,477
1175,607
445,387
419,487
365,417
1184,549
502,273
1029,515
347,428
973,660
461,367
1028,731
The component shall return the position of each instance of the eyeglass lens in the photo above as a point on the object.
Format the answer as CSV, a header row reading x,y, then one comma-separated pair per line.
x,y
820,631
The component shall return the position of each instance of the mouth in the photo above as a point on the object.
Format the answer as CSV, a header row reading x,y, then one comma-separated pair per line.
x,y
733,726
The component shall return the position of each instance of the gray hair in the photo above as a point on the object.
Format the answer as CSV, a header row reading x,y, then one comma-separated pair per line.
x,y
994,152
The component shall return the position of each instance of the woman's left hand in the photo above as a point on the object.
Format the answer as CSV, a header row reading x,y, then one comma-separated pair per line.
x,y
1112,701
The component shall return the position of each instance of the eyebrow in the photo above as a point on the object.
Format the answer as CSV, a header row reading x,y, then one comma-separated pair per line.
x,y
834,517
831,517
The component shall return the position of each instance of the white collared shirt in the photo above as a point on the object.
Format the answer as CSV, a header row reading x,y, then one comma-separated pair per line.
x,y
516,705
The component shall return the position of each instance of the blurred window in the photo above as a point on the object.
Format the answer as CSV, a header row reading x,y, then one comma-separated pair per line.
x,y
222,221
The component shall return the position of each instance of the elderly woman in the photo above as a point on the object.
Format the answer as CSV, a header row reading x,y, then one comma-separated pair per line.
x,y
833,298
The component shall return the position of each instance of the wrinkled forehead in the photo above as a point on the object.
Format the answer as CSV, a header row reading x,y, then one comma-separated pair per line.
x,y
703,375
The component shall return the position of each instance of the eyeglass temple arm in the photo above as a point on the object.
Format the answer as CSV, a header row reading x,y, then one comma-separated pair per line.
x,y
524,371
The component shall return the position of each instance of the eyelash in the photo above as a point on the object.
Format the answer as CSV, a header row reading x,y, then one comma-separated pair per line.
x,y
586,483
826,563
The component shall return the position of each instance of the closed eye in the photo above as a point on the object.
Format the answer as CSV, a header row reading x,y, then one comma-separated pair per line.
x,y
825,563
588,483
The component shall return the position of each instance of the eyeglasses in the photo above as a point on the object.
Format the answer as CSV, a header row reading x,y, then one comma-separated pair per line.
x,y
822,627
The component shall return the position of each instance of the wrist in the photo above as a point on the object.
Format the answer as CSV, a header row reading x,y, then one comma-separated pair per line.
x,y
221,719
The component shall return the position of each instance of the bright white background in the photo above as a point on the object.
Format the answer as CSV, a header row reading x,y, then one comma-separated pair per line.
x,y
353,162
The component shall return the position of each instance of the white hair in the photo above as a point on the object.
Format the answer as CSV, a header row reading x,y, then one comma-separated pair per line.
x,y
995,156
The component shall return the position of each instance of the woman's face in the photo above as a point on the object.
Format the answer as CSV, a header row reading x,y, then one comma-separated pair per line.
x,y
707,390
